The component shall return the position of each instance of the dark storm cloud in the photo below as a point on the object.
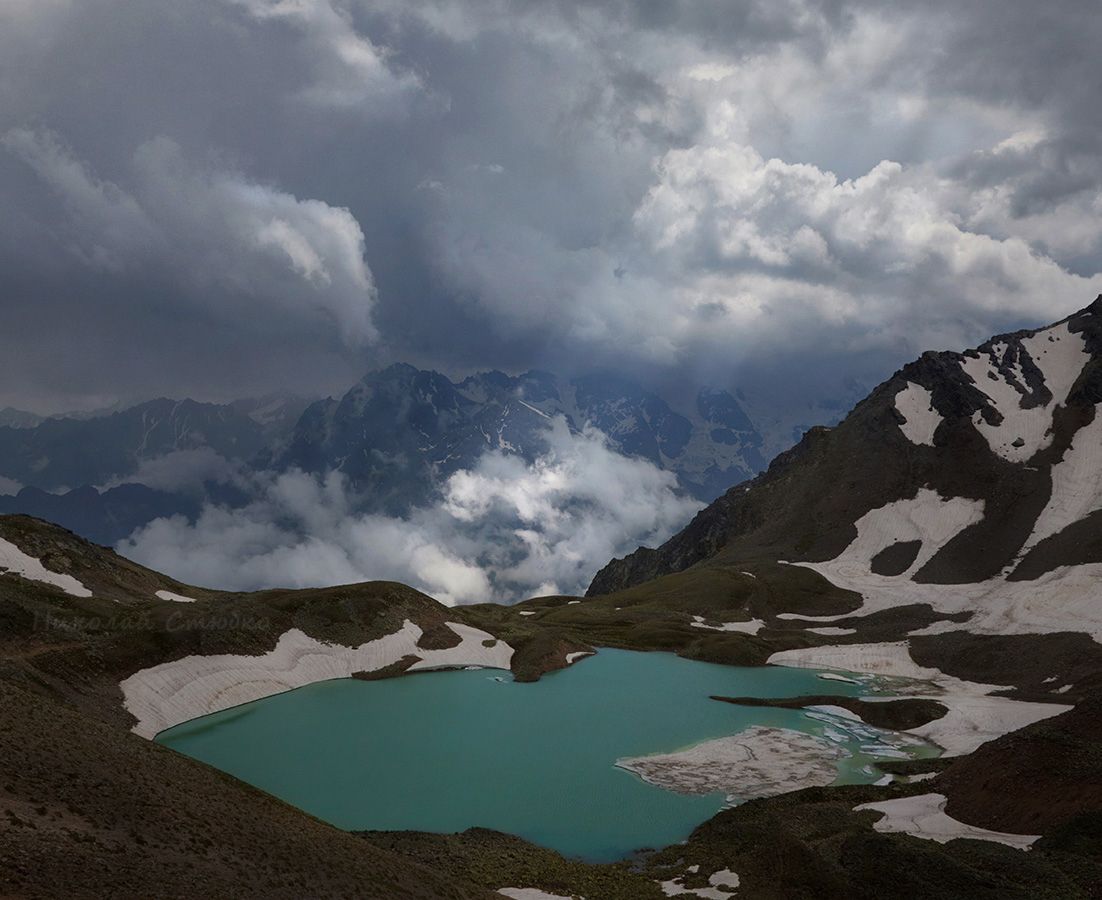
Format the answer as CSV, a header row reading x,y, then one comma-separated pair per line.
x,y
224,196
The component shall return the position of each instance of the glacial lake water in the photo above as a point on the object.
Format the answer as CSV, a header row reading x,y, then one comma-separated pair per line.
x,y
445,751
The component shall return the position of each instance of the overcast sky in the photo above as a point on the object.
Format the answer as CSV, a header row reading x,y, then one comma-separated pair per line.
x,y
221,197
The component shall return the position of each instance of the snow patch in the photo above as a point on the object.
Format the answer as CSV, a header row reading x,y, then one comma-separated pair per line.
x,y
927,517
724,878
973,718
839,711
1076,485
174,692
1060,355
1064,599
175,598
530,893
924,816
757,762
753,626
834,676
14,561
916,404
529,406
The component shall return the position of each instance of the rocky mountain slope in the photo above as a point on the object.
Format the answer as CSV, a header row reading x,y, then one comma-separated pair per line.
x,y
10,417
400,431
59,453
396,435
104,516
969,483
106,474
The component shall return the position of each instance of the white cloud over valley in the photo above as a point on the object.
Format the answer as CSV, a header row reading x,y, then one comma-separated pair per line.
x,y
501,531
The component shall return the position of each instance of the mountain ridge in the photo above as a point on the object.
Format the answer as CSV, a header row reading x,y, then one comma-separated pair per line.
x,y
406,423
968,453
60,453
396,436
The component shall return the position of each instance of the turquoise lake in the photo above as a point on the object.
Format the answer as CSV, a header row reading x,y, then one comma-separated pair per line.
x,y
445,751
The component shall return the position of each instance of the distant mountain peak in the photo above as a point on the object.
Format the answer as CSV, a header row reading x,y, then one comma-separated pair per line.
x,y
427,427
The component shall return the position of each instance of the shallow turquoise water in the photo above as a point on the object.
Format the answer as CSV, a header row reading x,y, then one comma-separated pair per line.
x,y
445,751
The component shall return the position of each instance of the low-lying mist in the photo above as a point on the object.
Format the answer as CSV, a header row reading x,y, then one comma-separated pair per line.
x,y
502,530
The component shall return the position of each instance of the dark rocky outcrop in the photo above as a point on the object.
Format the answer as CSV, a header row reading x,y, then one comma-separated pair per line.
x,y
896,715
1035,780
88,811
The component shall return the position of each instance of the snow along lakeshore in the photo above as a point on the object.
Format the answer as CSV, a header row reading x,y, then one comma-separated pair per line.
x,y
757,762
974,717
175,692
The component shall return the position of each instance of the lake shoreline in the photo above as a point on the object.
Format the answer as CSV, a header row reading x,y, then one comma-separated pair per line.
x,y
581,720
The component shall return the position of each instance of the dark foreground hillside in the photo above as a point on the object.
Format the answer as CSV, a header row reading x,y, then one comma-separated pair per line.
x,y
88,810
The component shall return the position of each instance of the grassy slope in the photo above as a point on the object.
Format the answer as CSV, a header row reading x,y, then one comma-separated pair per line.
x,y
79,649
87,810
1059,759
808,845
83,803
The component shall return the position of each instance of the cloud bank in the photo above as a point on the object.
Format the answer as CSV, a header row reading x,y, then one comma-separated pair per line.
x,y
252,191
501,531
248,249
